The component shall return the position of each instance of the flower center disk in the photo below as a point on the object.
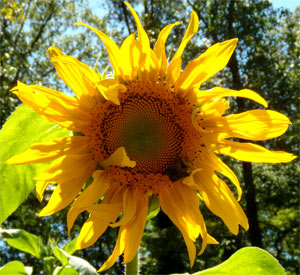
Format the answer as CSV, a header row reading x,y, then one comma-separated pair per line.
x,y
146,126
151,123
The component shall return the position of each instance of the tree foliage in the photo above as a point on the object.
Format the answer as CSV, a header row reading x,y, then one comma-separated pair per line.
x,y
28,29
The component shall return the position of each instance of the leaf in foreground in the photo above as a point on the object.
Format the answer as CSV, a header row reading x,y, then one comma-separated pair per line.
x,y
82,266
247,261
16,268
22,240
22,129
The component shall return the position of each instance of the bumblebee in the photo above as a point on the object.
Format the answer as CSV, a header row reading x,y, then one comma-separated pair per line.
x,y
179,170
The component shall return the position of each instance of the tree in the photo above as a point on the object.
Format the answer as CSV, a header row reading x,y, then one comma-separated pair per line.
x,y
28,29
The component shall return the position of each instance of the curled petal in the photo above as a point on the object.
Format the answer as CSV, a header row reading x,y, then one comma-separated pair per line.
x,y
111,48
209,161
40,188
111,90
119,158
214,108
202,97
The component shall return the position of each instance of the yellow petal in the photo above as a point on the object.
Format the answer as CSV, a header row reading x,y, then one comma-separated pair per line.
x,y
69,167
214,108
181,204
200,97
174,216
142,35
132,57
209,161
40,188
55,106
61,197
191,209
118,250
149,70
114,194
129,207
94,191
97,223
88,197
173,71
77,75
191,30
190,247
205,66
110,89
219,199
218,165
47,151
135,229
118,158
254,125
111,48
159,48
252,152
178,212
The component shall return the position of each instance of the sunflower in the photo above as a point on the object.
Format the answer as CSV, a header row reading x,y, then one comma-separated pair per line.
x,y
147,131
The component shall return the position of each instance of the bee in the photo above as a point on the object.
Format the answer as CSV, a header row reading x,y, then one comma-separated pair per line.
x,y
179,170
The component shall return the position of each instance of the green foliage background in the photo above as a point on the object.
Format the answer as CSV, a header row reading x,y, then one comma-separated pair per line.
x,y
266,60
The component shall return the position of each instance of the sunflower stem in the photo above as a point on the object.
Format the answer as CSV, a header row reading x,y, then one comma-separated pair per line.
x,y
132,268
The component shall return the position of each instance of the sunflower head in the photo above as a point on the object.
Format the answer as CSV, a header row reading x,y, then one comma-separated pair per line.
x,y
146,131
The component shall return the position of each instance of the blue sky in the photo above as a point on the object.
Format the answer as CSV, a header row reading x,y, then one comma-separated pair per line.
x,y
289,4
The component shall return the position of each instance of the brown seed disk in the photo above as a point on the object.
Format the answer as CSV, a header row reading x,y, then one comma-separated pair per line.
x,y
151,122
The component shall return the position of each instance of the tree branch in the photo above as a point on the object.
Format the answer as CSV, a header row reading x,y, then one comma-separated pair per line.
x,y
126,17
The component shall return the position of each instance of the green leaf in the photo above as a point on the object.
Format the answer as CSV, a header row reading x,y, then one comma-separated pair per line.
x,y
65,270
247,261
70,247
23,128
22,240
82,266
154,207
14,267
60,256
